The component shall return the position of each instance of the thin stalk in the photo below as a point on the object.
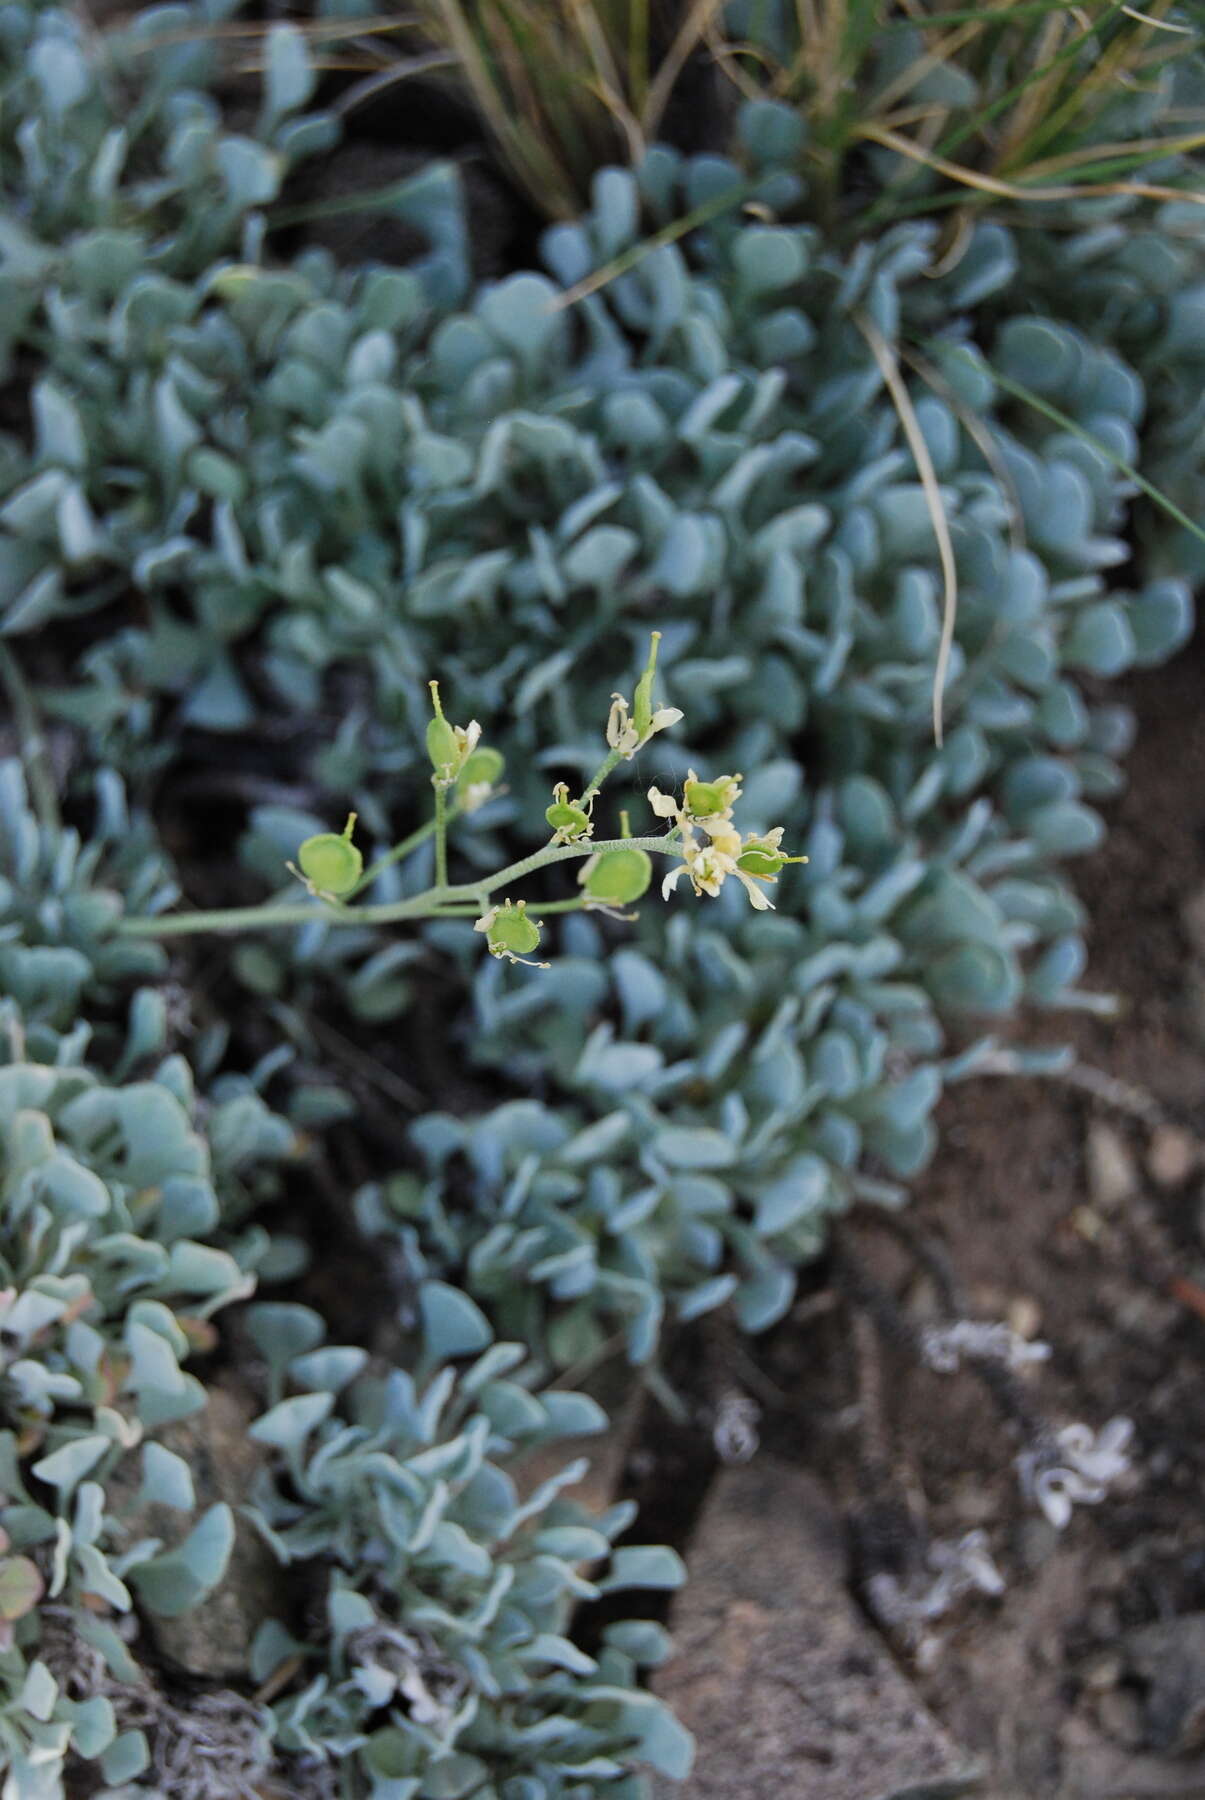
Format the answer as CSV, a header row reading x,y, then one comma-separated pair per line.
x,y
441,835
421,906
576,904
398,852
1161,500
600,775
669,234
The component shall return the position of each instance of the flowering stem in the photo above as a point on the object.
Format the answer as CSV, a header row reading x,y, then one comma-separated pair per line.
x,y
470,894
603,771
398,852
441,835
577,904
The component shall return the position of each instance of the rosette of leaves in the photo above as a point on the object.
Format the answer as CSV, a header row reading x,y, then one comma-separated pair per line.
x,y
116,1251
444,1667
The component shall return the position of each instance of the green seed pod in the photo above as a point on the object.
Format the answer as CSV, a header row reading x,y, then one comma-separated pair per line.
x,y
512,933
330,862
706,799
765,863
566,820
642,700
482,768
762,857
618,876
442,745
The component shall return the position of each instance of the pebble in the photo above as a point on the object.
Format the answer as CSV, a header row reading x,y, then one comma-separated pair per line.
x,y
1112,1174
1025,1316
1172,1156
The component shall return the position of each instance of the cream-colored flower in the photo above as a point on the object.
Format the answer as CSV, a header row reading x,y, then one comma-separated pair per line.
x,y
624,735
707,868
724,851
723,834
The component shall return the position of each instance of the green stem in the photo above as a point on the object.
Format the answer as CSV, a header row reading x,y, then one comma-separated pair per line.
x,y
472,894
398,852
604,769
441,835
577,904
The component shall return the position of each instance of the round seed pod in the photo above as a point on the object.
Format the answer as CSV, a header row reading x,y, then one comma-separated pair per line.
x,y
570,821
482,768
512,933
706,799
618,876
331,862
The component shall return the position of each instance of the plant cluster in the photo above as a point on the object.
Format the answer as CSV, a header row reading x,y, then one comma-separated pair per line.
x,y
861,495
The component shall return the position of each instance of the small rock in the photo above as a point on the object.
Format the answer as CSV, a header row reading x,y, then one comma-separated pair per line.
x,y
1112,1175
1172,1156
1168,1657
1103,1674
1120,1715
787,1689
214,1639
1025,1316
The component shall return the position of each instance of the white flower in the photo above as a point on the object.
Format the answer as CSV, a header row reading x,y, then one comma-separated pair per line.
x,y
1077,1466
624,735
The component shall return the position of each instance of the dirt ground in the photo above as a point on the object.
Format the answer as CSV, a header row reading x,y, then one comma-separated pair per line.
x,y
1075,1211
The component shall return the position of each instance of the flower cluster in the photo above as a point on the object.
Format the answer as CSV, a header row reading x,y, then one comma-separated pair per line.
x,y
721,851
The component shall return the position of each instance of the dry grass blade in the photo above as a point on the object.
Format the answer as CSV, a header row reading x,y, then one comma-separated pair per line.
x,y
1066,423
889,368
1011,190
981,437
669,234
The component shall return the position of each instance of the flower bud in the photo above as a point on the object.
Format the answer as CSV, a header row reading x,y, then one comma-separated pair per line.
x,y
617,877
330,862
567,820
642,703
